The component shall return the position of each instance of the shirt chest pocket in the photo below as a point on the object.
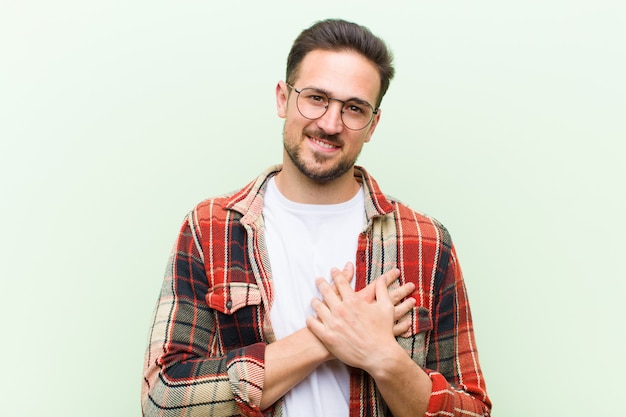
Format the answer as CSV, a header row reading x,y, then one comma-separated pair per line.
x,y
228,298
421,321
237,307
414,340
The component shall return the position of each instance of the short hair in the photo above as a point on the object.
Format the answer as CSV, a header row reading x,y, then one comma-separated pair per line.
x,y
337,35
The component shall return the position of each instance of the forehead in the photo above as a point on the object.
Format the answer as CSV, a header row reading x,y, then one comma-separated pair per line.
x,y
343,74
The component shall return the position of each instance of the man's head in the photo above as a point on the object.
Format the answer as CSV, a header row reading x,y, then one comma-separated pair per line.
x,y
338,35
337,75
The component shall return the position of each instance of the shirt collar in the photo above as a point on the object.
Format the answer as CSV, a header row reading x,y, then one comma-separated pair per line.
x,y
249,200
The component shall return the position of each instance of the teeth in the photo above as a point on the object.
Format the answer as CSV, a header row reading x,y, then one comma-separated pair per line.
x,y
323,144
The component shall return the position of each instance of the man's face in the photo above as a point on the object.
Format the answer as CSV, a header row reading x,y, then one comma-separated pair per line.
x,y
324,149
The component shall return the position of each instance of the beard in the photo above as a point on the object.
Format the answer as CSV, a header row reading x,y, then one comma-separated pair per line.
x,y
317,173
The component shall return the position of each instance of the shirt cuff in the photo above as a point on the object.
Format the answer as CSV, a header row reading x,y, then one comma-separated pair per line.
x,y
246,371
440,394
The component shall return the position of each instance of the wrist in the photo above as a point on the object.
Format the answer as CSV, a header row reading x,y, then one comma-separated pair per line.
x,y
317,349
392,361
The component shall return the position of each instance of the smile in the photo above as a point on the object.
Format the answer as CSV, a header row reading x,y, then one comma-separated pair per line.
x,y
323,144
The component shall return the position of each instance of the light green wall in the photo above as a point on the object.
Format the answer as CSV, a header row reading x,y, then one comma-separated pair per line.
x,y
506,122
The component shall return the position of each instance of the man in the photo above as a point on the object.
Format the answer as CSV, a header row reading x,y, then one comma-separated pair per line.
x,y
308,292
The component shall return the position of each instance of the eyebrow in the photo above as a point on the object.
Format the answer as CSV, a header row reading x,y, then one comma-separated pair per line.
x,y
329,95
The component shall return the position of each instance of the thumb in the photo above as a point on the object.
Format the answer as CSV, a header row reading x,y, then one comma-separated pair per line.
x,y
382,292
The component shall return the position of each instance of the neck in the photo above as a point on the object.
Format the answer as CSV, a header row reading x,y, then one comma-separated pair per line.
x,y
299,188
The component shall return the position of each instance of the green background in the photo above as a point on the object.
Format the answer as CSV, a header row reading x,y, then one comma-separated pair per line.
x,y
506,121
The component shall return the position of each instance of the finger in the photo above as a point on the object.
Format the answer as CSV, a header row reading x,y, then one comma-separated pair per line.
x,y
401,292
332,285
347,273
382,293
401,327
321,310
330,294
368,293
391,275
403,308
315,326
342,280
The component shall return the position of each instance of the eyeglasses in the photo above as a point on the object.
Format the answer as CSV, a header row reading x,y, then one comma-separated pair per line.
x,y
313,103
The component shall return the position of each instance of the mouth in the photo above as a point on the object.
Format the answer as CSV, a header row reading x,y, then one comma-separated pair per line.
x,y
322,141
323,144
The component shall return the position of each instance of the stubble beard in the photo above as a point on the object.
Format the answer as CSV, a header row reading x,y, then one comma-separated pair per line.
x,y
320,175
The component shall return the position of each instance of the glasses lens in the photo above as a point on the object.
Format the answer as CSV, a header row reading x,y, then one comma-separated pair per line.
x,y
312,103
356,115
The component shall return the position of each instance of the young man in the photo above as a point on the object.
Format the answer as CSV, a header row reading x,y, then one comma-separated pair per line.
x,y
244,326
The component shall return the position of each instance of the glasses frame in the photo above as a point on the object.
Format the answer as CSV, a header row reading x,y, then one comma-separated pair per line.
x,y
343,102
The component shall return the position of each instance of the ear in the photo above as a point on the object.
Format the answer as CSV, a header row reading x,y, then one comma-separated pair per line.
x,y
282,97
372,128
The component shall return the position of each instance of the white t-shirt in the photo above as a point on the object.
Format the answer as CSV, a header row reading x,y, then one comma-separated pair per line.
x,y
304,242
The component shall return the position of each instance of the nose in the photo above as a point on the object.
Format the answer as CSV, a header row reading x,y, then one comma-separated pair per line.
x,y
331,121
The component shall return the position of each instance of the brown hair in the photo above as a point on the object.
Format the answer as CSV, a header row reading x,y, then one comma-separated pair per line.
x,y
337,34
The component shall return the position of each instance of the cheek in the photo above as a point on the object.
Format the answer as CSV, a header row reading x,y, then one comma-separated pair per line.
x,y
290,128
294,122
361,140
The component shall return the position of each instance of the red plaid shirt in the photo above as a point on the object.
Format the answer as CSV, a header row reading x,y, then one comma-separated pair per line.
x,y
211,324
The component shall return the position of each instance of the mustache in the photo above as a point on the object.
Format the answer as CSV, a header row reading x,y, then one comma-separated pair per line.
x,y
320,134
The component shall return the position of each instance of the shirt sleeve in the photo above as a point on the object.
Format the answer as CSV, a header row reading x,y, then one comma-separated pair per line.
x,y
458,386
185,371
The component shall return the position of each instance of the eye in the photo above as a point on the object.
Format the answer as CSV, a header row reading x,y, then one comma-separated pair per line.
x,y
314,97
355,108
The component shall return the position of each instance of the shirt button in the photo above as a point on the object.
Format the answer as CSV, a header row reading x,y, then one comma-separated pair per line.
x,y
229,304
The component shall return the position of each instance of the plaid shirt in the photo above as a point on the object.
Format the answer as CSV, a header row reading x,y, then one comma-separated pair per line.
x,y
211,324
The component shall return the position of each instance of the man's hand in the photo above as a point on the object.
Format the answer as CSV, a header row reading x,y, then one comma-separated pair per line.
x,y
359,328
398,295
289,360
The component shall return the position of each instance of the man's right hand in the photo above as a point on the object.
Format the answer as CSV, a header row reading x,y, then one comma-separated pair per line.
x,y
399,295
